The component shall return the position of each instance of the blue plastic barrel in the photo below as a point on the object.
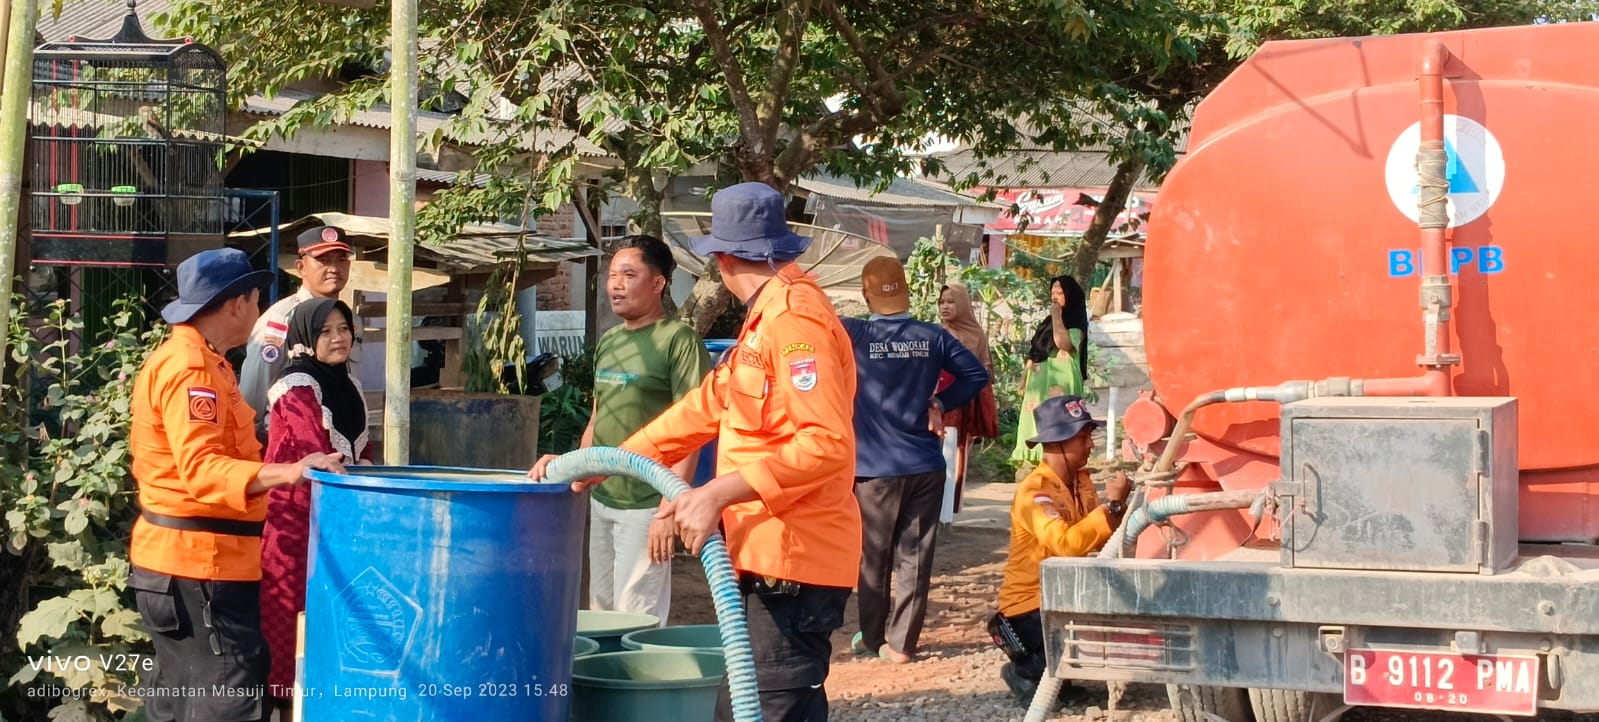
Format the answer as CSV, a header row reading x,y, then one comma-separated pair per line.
x,y
705,469
440,594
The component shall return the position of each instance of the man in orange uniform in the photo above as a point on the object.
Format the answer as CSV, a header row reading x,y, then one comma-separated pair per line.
x,y
780,409
1056,513
196,547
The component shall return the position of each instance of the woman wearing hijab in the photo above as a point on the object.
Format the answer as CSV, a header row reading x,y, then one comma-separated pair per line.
x,y
1057,362
979,418
315,407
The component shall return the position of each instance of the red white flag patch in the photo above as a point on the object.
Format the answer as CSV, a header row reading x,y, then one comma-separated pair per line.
x,y
202,404
802,373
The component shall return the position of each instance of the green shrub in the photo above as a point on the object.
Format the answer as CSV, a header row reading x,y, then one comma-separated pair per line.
x,y
565,412
69,503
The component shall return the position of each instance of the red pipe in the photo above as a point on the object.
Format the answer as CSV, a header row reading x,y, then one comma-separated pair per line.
x,y
1435,256
1436,297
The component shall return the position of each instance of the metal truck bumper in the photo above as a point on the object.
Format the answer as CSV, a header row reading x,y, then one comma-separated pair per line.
x,y
1248,622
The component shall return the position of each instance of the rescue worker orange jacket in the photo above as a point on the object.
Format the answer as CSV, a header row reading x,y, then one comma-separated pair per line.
x,y
780,409
1048,518
194,452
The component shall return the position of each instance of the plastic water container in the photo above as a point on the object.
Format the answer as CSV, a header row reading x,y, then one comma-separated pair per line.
x,y
705,470
700,637
440,594
607,628
646,686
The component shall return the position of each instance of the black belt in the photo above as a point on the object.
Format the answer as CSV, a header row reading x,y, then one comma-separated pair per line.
x,y
230,527
767,586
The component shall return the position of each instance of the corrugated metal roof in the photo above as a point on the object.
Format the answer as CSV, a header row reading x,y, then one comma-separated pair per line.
x,y
100,19
476,248
96,19
447,177
1030,165
380,118
1034,167
900,192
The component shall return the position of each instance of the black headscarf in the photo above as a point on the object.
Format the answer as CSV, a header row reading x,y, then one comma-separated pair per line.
x,y
1073,315
340,396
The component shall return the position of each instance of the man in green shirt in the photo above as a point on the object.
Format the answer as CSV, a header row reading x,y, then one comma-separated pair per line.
x,y
640,368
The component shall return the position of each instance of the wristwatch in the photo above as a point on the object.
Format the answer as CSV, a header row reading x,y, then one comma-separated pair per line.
x,y
1116,508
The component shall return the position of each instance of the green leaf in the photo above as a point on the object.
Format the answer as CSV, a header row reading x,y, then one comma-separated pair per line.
x,y
96,602
69,555
125,624
49,620
24,676
75,710
76,522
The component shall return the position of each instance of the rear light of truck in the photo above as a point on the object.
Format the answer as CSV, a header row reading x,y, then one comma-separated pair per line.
x,y
1103,643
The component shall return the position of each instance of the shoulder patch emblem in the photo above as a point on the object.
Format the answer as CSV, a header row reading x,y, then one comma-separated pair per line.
x,y
202,404
791,348
802,372
271,352
1047,504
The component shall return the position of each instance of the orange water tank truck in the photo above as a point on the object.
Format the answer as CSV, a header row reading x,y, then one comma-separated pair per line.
x,y
1369,462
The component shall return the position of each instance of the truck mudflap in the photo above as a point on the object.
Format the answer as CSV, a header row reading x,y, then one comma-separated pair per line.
x,y
1507,643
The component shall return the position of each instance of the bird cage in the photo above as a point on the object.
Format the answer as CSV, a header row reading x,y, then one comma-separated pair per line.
x,y
126,144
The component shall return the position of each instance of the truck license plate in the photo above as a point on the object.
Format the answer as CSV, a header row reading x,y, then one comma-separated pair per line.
x,y
1486,683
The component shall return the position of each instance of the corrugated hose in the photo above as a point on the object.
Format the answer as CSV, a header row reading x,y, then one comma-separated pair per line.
x,y
730,620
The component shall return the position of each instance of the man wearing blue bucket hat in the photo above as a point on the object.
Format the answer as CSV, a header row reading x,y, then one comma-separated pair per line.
x,y
196,546
1056,513
779,407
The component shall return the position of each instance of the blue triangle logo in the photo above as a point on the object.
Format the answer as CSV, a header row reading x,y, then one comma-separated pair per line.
x,y
1460,180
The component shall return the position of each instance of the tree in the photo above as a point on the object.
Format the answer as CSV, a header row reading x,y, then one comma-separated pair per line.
x,y
774,90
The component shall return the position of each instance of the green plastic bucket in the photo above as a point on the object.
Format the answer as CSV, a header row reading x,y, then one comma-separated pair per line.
x,y
701,637
583,646
646,686
607,628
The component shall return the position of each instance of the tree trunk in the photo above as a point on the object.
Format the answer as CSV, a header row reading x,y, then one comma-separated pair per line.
x,y
1121,186
709,304
641,186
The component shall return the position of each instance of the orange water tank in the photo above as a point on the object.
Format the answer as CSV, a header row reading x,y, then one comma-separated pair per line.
x,y
1284,245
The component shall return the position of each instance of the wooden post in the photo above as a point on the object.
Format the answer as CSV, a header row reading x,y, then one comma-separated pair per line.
x,y
1116,285
591,268
402,235
13,143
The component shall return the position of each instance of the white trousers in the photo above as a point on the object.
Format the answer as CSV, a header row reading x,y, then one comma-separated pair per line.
x,y
946,514
621,576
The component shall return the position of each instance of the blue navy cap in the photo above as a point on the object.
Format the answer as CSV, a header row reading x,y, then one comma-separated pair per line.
x,y
1060,418
748,222
207,275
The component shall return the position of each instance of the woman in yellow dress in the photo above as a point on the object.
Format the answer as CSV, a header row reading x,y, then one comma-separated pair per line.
x,y
1057,362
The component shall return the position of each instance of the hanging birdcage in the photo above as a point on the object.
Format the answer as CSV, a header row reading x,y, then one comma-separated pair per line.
x,y
126,144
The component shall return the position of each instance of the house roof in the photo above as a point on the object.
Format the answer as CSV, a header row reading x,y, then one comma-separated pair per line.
x,y
1031,165
97,19
379,117
476,248
104,18
900,192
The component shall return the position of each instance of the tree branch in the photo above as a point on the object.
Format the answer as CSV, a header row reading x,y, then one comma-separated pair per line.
x,y
732,73
874,67
966,18
791,35
821,134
